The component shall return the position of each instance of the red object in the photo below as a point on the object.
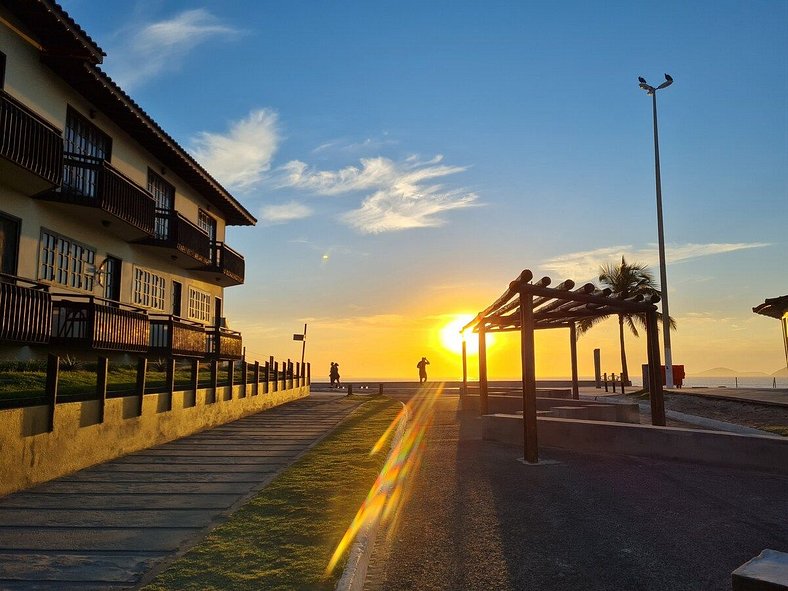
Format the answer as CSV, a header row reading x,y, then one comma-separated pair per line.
x,y
678,375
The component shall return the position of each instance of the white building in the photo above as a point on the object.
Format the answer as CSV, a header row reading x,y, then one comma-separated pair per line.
x,y
112,237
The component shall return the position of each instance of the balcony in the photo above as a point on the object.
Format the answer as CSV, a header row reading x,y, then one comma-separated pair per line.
x,y
109,197
31,150
229,345
186,244
172,336
25,311
226,267
89,322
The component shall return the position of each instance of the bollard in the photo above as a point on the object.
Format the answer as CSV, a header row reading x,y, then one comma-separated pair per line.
x,y
605,377
613,379
350,389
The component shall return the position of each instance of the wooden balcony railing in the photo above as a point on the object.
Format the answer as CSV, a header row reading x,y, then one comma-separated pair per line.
x,y
94,182
175,231
25,311
170,335
228,345
29,141
96,323
229,262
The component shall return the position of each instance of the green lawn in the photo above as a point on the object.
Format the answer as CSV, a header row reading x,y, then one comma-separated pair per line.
x,y
29,384
284,537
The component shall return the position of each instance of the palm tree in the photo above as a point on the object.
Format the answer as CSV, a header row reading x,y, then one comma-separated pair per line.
x,y
628,280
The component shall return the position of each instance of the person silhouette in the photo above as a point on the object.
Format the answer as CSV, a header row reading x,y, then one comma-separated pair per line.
x,y
334,375
422,365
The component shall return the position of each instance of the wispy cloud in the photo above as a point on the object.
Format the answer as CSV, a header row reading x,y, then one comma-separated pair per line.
x,y
150,49
241,157
286,212
585,264
367,145
401,197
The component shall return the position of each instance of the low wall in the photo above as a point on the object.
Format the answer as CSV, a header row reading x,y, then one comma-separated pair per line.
x,y
669,443
625,412
31,454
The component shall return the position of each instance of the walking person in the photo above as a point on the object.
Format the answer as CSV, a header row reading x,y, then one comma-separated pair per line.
x,y
422,365
334,375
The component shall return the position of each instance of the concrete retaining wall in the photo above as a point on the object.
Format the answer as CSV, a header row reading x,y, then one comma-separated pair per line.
x,y
670,443
625,412
29,454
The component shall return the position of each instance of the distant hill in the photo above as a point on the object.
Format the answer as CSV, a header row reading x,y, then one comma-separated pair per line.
x,y
726,372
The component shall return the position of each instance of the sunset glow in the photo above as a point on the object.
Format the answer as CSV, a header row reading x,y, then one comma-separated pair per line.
x,y
451,339
387,495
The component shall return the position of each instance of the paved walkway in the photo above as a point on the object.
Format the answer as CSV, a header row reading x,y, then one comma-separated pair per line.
x,y
477,519
108,526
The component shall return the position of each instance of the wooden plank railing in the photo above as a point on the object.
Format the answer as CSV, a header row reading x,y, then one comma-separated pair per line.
x,y
29,141
96,323
175,231
170,335
96,183
228,345
25,311
229,262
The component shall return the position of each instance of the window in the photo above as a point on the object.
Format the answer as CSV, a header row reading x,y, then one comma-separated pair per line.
x,y
86,147
149,289
164,194
199,305
2,70
66,262
207,224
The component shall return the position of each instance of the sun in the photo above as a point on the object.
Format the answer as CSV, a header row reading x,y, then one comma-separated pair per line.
x,y
451,339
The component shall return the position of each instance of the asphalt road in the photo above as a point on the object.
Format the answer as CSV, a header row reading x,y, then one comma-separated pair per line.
x,y
476,518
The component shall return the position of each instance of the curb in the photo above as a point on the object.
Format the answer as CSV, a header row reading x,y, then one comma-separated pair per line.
x,y
355,573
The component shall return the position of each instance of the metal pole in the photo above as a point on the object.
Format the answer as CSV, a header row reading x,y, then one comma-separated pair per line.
x,y
663,273
303,346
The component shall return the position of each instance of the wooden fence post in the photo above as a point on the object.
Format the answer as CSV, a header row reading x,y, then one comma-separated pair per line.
x,y
101,386
256,377
170,377
53,371
195,378
276,376
267,376
142,371
244,377
231,375
308,374
214,378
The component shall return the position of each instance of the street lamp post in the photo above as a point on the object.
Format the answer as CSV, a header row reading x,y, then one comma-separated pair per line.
x,y
663,275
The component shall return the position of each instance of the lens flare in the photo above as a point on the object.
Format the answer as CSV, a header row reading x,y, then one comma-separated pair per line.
x,y
389,492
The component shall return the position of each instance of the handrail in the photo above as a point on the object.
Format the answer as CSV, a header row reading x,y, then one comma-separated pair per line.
x,y
31,283
28,111
65,297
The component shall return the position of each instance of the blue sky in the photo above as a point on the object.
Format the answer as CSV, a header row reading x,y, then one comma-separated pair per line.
x,y
407,159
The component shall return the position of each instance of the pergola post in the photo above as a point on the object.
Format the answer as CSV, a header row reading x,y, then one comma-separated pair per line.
x,y
464,367
527,352
573,354
483,406
654,371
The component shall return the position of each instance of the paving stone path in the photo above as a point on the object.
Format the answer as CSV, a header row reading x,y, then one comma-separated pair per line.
x,y
108,526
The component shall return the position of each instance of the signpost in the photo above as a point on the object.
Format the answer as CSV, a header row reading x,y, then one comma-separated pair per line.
x,y
302,338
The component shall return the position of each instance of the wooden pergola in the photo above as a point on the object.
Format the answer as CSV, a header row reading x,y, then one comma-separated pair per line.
x,y
528,306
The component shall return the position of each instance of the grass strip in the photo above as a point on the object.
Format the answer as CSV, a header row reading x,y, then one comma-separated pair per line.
x,y
284,537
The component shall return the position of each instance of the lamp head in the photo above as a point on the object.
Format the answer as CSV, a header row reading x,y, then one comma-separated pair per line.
x,y
668,81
